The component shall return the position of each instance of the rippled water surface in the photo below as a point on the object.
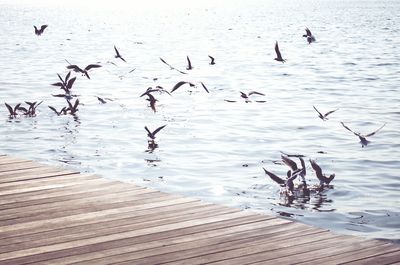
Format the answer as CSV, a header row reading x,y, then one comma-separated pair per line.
x,y
211,148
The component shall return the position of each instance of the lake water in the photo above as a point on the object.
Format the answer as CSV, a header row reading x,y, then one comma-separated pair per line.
x,y
211,148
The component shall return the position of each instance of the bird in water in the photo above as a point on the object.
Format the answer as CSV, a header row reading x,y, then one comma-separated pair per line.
x,y
84,71
293,166
117,54
323,179
189,67
324,116
152,135
247,95
278,54
309,36
63,111
152,101
39,32
287,185
363,138
13,111
212,60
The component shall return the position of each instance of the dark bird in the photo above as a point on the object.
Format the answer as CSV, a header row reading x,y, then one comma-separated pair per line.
x,y
293,166
13,111
41,30
63,111
171,67
31,111
323,179
65,84
309,36
363,139
189,67
181,83
152,135
324,116
73,108
83,71
212,60
246,96
158,89
152,101
101,100
118,55
204,86
278,54
287,184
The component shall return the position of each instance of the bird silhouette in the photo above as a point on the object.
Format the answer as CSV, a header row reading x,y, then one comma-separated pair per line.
x,y
212,60
73,108
152,101
39,32
117,54
323,179
278,54
324,116
31,111
181,83
152,135
309,36
287,185
363,139
83,71
63,111
293,166
65,84
171,67
13,111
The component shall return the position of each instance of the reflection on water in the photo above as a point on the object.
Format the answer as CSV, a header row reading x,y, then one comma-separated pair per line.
x,y
215,145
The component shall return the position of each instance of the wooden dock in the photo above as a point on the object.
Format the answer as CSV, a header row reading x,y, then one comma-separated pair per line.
x,y
56,216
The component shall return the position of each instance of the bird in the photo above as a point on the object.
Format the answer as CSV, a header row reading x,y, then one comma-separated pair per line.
x,y
152,135
73,108
246,96
309,36
83,71
204,86
324,116
62,111
287,186
293,166
31,111
189,67
159,89
171,67
323,179
65,84
363,138
13,111
103,100
181,83
152,101
278,54
118,55
39,32
212,60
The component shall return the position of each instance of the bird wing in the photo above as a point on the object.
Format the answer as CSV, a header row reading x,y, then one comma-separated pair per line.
x,y
90,66
148,131
347,128
204,86
158,129
178,85
10,109
116,51
189,63
256,93
330,112
370,134
75,68
289,162
308,32
212,59
54,109
274,177
43,27
320,114
71,82
278,53
318,170
303,165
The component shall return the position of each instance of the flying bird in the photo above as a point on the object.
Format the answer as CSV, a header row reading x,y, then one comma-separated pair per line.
x,y
293,166
323,179
152,135
309,36
363,139
118,55
278,54
189,67
246,96
83,71
39,32
171,67
152,101
324,116
212,60
181,83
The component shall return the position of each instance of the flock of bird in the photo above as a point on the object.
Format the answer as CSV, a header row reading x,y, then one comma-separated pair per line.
x,y
288,187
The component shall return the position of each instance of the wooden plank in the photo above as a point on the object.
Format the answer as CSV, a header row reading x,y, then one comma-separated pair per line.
x,y
381,259
18,166
33,173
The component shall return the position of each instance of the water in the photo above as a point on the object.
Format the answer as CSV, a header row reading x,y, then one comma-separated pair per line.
x,y
213,149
